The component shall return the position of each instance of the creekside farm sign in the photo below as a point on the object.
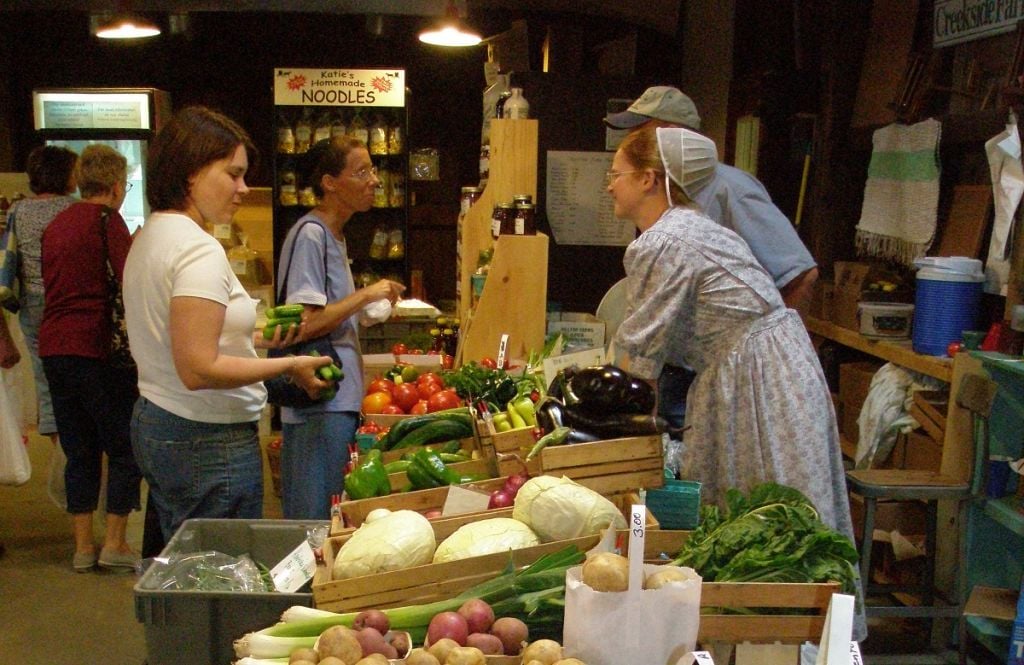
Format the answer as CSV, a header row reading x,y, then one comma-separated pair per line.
x,y
956,21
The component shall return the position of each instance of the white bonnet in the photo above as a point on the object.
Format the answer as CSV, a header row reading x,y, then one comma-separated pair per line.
x,y
689,158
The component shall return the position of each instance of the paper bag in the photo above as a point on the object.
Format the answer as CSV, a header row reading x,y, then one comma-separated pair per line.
x,y
652,626
15,467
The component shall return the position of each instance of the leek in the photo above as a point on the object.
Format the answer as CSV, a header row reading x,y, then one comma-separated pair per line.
x,y
535,595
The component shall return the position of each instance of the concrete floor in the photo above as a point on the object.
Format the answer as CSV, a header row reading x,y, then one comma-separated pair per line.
x,y
52,615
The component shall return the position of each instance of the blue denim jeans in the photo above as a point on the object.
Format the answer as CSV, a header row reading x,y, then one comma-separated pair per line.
x,y
92,401
314,455
197,469
29,318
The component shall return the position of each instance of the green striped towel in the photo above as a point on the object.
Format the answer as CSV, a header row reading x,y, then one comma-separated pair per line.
x,y
901,197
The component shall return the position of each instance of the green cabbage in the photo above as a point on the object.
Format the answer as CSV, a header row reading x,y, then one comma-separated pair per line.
x,y
558,508
400,540
498,534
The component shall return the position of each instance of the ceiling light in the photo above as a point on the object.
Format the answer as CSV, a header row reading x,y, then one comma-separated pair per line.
x,y
127,27
451,31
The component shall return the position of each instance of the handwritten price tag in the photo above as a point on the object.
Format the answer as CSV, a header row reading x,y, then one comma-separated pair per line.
x,y
637,532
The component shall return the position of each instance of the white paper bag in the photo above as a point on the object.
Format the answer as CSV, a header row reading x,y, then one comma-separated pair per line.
x,y
15,467
653,626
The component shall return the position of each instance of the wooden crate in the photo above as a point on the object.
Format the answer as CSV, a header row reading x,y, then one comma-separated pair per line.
x,y
509,449
718,624
609,467
478,466
433,581
355,512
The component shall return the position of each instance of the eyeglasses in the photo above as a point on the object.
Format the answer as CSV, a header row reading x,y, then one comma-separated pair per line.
x,y
365,173
127,187
612,176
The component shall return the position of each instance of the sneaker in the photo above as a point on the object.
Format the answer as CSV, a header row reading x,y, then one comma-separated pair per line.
x,y
115,560
83,563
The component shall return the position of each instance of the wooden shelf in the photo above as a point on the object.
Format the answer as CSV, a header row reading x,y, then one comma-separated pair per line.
x,y
934,366
1006,511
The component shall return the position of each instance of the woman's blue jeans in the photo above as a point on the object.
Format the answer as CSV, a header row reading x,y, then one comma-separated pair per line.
x,y
314,455
197,469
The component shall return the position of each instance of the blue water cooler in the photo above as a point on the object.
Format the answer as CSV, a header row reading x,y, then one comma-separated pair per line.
x,y
947,301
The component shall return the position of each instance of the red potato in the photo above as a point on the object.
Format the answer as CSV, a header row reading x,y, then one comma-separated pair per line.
x,y
512,632
373,619
478,614
371,641
448,624
489,644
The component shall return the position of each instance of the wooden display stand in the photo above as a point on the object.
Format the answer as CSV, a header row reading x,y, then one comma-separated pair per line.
x,y
514,299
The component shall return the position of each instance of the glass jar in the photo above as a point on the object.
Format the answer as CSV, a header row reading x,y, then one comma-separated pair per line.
x,y
470,195
526,220
508,219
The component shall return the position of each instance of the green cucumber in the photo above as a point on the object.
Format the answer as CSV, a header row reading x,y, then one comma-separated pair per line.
x,y
285,311
285,323
432,432
405,426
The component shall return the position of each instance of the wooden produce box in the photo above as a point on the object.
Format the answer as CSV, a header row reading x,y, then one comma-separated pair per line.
x,y
720,622
353,513
478,466
506,447
433,581
609,467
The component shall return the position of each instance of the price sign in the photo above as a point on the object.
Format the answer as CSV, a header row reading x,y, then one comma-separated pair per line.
x,y
637,532
502,350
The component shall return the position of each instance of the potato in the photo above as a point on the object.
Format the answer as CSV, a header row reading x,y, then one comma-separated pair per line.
x,y
547,652
400,641
466,656
373,619
478,614
441,648
374,659
303,654
512,632
489,644
421,657
606,571
371,641
664,576
535,662
340,642
570,661
331,660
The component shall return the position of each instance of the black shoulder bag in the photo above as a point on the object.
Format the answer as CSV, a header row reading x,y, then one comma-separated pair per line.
x,y
120,354
281,391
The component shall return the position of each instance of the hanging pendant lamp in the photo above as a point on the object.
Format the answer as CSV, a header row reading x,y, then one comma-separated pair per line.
x,y
126,26
451,31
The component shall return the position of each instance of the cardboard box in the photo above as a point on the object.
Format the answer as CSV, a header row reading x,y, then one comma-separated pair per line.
x,y
581,330
854,385
375,364
907,517
918,451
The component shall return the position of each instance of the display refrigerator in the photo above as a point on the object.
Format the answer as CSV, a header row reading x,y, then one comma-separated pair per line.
x,y
371,104
123,118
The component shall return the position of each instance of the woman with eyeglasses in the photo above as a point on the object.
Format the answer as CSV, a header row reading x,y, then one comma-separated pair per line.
x,y
314,269
191,327
759,409
92,396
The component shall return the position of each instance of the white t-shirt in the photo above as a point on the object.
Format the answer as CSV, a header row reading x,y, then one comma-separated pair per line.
x,y
172,256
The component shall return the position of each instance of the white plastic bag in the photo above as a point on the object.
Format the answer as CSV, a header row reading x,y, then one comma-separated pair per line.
x,y
15,467
376,312
650,626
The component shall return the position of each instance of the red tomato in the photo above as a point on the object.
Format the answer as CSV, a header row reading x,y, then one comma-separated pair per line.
x,y
427,388
430,376
954,348
433,352
369,428
443,399
399,349
416,352
380,386
447,361
405,396
393,409
375,402
420,407
489,363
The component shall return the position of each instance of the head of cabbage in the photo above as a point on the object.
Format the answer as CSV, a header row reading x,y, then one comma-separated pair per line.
x,y
498,534
558,508
401,539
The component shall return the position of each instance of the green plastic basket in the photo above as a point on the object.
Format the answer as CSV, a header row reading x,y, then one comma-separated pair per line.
x,y
676,505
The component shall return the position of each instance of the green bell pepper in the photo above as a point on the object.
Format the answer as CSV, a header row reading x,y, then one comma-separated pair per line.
x,y
369,478
435,467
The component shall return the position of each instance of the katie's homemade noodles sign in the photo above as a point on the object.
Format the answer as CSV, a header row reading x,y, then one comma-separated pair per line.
x,y
339,87
955,21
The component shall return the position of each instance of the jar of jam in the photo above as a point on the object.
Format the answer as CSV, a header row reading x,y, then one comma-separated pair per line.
x,y
497,216
522,198
468,198
526,221
508,218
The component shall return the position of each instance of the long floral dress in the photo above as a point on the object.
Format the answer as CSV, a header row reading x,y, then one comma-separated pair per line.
x,y
759,409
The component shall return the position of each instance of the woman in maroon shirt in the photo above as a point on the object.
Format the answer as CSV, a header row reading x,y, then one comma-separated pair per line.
x,y
92,397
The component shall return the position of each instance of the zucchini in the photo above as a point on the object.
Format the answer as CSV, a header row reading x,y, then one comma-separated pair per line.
x,y
285,311
432,432
405,426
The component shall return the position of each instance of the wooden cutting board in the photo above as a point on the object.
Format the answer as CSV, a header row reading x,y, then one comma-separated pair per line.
x,y
969,215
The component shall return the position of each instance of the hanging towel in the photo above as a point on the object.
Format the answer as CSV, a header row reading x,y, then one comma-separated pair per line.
x,y
886,412
1004,160
901,198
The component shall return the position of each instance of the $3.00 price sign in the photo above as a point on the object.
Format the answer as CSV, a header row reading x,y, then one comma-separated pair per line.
x,y
637,532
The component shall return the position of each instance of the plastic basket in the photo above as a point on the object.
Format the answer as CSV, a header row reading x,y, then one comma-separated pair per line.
x,y
676,505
